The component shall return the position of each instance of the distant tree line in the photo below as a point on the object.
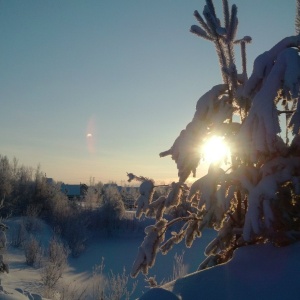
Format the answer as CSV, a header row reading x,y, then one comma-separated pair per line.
x,y
26,191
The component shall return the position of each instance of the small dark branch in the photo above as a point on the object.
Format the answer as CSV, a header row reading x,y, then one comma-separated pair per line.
x,y
239,206
237,230
165,153
233,219
131,177
285,111
244,59
246,204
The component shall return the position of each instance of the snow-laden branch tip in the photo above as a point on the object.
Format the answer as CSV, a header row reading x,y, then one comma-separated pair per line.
x,y
145,259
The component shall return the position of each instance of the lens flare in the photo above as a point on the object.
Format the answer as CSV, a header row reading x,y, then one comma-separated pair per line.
x,y
91,135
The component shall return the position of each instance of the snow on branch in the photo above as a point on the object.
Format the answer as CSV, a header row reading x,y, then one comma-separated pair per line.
x,y
258,197
261,196
145,259
263,64
260,129
146,190
212,109
146,194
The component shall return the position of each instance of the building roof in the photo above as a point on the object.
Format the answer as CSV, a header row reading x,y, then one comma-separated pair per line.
x,y
71,190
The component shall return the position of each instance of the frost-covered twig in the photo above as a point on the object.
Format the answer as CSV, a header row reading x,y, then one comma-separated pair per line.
x,y
131,177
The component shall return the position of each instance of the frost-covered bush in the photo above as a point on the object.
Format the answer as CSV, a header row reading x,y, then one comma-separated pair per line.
x,y
75,232
112,286
18,236
256,197
111,210
54,265
33,252
31,221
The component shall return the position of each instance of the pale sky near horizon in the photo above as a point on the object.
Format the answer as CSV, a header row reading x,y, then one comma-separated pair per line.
x,y
129,73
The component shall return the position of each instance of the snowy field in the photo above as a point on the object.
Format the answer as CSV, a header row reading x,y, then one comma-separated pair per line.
x,y
255,272
118,253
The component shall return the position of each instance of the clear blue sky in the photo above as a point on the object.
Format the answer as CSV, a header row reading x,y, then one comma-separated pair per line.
x,y
128,72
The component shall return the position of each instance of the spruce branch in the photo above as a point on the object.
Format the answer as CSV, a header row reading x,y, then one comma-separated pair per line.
x,y
200,32
226,14
222,60
165,153
211,21
232,29
246,39
244,60
211,7
202,23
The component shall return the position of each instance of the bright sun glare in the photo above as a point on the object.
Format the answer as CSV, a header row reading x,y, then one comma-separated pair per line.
x,y
215,149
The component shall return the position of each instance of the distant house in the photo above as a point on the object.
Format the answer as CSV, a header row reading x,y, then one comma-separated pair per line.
x,y
50,181
74,191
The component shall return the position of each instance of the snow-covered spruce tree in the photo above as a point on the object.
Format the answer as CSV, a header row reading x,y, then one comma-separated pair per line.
x,y
257,198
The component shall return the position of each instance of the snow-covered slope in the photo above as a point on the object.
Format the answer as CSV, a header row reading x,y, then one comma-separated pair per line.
x,y
22,282
255,272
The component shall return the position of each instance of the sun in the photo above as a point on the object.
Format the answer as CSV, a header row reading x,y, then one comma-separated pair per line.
x,y
215,150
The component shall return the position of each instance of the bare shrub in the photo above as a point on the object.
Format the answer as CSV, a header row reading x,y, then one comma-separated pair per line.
x,y
58,253
4,268
117,286
69,219
70,291
110,214
179,268
31,221
76,234
111,287
98,282
18,236
33,252
54,265
49,277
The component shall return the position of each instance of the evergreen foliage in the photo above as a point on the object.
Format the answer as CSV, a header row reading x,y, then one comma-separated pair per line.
x,y
256,199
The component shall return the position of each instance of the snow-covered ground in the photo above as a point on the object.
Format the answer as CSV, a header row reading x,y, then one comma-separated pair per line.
x,y
118,253
255,272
